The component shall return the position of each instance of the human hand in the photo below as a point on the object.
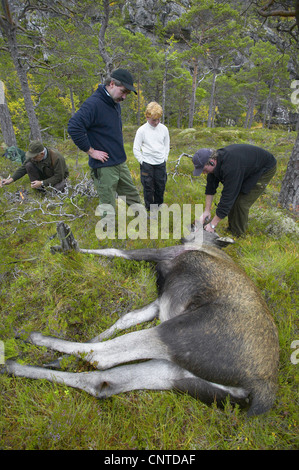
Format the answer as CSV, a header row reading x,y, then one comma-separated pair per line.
x,y
208,228
6,181
98,155
36,184
206,215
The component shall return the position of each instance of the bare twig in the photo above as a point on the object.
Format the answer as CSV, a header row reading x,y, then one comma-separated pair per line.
x,y
175,172
52,204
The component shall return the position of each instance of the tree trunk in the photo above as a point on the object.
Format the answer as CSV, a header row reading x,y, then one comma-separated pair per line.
x,y
72,100
7,129
8,29
274,104
164,85
268,101
211,107
102,46
193,95
250,110
289,193
22,75
138,102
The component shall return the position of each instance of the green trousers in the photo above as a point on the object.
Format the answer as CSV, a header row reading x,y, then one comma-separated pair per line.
x,y
238,215
112,180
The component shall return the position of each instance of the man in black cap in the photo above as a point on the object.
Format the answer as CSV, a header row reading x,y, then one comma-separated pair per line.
x,y
97,130
45,167
244,170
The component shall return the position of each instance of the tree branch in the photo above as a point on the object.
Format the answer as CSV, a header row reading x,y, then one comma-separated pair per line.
x,y
289,13
265,12
105,21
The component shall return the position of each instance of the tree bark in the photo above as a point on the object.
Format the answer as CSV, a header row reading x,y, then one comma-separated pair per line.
x,y
211,107
7,129
193,95
288,196
67,239
102,47
8,29
289,193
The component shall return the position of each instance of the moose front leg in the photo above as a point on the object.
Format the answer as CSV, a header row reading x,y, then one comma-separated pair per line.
x,y
130,319
144,344
133,318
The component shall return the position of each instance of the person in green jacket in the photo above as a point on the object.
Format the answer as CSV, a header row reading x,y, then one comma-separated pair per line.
x,y
45,167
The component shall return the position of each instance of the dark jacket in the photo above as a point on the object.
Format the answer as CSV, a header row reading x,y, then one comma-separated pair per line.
x,y
239,167
98,124
53,168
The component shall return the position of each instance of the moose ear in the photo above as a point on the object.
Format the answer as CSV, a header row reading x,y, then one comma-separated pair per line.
x,y
224,241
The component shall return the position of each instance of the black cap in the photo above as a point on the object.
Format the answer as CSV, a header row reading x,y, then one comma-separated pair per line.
x,y
199,159
125,78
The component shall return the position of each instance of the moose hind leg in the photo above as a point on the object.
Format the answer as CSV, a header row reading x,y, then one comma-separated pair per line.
x,y
149,375
209,392
87,382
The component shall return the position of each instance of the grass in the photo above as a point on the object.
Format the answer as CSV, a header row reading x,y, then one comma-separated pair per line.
x,y
77,296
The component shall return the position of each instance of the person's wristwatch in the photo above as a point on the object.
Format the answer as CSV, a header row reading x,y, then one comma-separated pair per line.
x,y
213,226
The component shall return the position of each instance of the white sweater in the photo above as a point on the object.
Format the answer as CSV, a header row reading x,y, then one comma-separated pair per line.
x,y
152,144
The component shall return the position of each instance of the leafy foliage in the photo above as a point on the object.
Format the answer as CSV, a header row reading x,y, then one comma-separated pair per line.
x,y
215,57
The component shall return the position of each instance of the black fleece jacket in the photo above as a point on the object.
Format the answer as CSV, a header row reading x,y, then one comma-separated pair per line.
x,y
239,167
98,124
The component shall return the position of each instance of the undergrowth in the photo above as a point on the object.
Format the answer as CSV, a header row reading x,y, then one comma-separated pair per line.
x,y
76,296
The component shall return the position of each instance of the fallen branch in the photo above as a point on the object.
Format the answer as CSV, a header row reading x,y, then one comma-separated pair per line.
x,y
24,203
178,161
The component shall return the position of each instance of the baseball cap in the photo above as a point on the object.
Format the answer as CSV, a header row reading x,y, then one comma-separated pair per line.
x,y
125,78
199,159
35,147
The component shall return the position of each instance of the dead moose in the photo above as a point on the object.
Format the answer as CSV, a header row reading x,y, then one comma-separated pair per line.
x,y
216,338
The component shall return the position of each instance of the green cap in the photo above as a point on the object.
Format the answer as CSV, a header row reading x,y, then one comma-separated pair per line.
x,y
35,147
